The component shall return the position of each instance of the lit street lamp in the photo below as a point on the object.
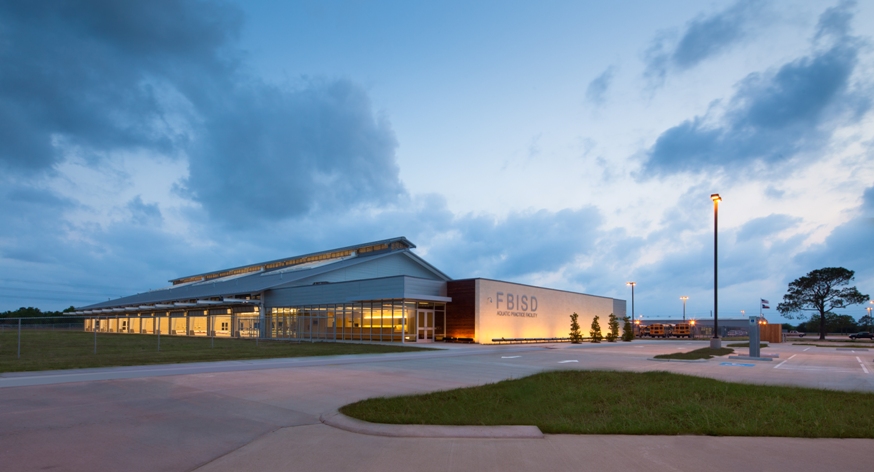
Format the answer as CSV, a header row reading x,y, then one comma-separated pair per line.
x,y
869,315
684,298
715,342
632,299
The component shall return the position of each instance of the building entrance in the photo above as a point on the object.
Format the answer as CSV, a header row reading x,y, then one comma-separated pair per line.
x,y
426,326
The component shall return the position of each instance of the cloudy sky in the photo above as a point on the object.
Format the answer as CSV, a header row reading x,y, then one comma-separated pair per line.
x,y
572,144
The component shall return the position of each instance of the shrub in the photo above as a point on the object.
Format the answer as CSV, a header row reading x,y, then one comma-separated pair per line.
x,y
576,336
613,327
596,331
627,330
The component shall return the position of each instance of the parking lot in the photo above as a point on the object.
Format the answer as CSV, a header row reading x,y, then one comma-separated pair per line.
x,y
264,415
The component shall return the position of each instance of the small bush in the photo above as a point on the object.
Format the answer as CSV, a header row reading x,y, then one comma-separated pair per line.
x,y
576,336
613,327
595,333
627,330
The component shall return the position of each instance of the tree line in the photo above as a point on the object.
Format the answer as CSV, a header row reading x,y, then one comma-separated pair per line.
x,y
32,312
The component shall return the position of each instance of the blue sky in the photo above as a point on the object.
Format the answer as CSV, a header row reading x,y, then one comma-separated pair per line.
x,y
567,144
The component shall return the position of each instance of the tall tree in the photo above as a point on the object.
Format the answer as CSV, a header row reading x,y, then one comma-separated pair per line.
x,y
820,291
866,322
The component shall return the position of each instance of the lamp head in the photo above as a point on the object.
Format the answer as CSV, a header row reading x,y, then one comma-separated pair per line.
x,y
684,298
715,197
631,283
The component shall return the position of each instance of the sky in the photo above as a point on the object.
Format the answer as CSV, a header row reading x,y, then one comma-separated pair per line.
x,y
565,144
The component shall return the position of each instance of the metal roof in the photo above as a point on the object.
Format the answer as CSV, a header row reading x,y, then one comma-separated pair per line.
x,y
291,261
254,282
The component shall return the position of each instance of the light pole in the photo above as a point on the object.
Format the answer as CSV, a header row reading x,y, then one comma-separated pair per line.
x,y
632,300
715,342
869,315
684,298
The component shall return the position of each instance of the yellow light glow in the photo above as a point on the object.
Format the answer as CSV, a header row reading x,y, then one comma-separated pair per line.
x,y
715,197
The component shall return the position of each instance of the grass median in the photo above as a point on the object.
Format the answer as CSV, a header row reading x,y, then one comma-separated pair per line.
x,y
703,353
746,344
51,350
603,402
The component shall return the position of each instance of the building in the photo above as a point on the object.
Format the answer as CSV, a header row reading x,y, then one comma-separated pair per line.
x,y
379,291
703,328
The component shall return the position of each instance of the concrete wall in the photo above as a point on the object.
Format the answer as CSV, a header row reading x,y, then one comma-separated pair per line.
x,y
509,310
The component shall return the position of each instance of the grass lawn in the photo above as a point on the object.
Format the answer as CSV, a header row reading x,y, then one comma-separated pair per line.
x,y
746,344
601,402
703,353
49,350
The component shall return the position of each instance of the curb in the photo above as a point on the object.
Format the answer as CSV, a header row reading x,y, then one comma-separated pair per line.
x,y
748,358
341,421
676,360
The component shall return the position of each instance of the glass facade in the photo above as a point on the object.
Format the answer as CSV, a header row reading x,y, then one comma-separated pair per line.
x,y
373,321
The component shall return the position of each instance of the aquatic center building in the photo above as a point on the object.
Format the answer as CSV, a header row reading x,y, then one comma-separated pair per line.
x,y
379,291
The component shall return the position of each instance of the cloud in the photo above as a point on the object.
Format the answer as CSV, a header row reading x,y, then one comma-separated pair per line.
x,y
703,38
99,79
82,73
759,228
597,88
848,245
269,153
522,244
835,22
771,118
144,214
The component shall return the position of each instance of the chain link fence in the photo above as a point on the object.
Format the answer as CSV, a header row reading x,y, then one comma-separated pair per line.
x,y
38,343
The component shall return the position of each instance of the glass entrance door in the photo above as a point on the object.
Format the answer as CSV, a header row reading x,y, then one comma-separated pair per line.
x,y
425,326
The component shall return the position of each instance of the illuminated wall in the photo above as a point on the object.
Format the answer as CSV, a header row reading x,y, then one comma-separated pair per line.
x,y
508,310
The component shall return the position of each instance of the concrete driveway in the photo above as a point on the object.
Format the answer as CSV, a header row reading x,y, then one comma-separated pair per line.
x,y
264,415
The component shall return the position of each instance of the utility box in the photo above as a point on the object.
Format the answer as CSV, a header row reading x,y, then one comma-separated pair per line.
x,y
755,348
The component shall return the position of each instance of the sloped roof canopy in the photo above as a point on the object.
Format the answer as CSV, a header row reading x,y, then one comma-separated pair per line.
x,y
293,271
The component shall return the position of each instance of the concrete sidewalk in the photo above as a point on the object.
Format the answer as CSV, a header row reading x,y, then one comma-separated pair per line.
x,y
322,448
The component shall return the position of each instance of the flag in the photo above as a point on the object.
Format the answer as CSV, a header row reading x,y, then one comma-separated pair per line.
x,y
765,304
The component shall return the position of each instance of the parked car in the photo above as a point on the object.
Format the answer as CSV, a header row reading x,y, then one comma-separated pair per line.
x,y
863,334
795,333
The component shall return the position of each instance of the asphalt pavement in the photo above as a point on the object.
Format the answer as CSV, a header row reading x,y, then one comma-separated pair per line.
x,y
265,415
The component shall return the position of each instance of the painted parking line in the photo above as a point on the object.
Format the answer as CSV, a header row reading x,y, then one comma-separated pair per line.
x,y
510,357
565,362
737,364
862,364
805,350
787,360
820,369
